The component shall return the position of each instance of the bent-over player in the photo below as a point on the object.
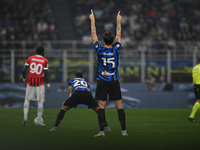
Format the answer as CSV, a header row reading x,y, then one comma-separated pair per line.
x,y
80,93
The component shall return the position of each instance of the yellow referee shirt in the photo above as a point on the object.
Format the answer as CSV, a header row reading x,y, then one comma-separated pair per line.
x,y
196,74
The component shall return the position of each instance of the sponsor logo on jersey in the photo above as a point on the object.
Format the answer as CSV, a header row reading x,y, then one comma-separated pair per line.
x,y
108,54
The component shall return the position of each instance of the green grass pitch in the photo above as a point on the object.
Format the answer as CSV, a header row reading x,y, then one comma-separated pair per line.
x,y
155,129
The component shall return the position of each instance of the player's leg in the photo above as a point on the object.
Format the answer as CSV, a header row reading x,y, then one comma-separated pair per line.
x,y
30,92
121,116
26,109
40,93
60,116
194,110
115,94
67,105
101,118
196,105
107,128
101,96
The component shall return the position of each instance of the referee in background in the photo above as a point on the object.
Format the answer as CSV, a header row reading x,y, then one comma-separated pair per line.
x,y
196,87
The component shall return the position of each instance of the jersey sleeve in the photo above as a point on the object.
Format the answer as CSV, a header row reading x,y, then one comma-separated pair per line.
x,y
46,65
97,46
27,63
117,45
69,83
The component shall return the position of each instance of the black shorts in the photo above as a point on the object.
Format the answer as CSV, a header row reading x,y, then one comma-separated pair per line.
x,y
81,97
197,91
111,88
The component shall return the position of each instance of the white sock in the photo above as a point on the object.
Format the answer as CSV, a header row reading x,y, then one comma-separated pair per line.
x,y
40,109
123,131
26,108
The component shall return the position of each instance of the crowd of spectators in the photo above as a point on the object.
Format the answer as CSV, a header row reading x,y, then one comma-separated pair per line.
x,y
143,20
26,20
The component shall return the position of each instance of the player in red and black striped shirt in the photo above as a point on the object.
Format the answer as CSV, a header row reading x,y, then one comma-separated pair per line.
x,y
37,67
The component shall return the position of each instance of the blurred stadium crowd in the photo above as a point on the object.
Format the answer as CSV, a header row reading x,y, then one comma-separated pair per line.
x,y
143,20
26,20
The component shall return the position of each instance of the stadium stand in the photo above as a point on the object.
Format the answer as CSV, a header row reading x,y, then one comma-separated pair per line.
x,y
142,20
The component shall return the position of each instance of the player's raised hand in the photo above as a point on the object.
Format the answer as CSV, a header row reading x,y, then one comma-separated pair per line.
x,y
119,17
92,16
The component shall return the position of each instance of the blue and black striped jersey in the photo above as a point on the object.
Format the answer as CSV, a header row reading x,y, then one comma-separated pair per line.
x,y
108,61
79,84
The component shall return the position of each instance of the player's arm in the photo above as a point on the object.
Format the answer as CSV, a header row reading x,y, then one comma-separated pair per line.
x,y
70,91
118,30
24,75
93,28
46,78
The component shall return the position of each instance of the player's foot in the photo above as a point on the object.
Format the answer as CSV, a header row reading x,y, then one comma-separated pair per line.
x,y
124,133
107,129
100,134
24,122
54,129
192,119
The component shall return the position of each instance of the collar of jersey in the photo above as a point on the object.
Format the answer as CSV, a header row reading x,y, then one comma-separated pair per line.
x,y
39,55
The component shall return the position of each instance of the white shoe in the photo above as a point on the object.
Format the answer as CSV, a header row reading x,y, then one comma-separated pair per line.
x,y
54,129
100,134
124,133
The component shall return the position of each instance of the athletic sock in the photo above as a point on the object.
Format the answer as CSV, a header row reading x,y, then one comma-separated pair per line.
x,y
59,117
106,124
194,109
26,108
101,119
122,120
40,110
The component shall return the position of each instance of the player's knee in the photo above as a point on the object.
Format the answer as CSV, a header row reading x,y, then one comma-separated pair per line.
x,y
102,104
118,104
65,108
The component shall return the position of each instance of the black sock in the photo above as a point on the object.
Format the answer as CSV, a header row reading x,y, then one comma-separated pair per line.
x,y
101,119
122,120
106,124
59,117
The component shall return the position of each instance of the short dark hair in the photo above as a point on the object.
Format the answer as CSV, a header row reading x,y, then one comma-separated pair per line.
x,y
79,74
40,50
108,38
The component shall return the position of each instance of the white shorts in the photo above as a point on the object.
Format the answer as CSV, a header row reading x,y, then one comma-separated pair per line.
x,y
35,93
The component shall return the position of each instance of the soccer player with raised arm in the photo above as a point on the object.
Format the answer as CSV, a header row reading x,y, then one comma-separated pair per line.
x,y
107,73
196,87
37,66
80,93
